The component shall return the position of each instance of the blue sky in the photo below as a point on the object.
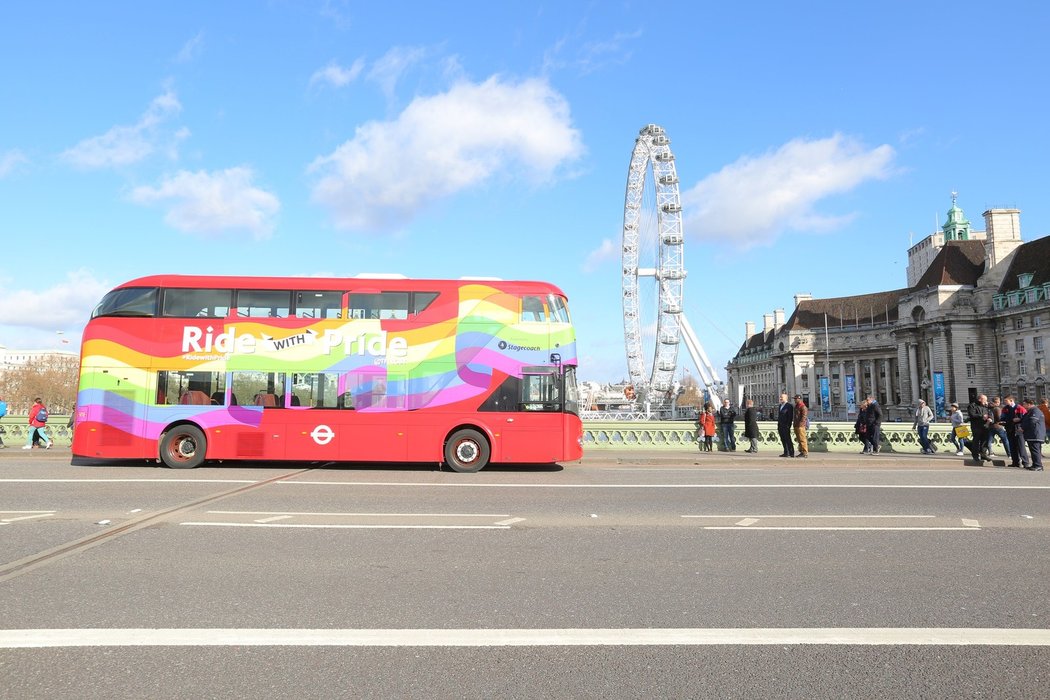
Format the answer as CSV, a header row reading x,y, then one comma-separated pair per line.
x,y
813,141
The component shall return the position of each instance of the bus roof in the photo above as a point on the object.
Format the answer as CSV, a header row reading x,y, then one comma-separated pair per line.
x,y
349,284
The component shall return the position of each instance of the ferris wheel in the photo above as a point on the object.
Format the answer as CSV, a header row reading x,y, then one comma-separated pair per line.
x,y
653,265
654,323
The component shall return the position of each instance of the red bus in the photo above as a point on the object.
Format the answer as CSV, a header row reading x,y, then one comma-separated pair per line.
x,y
364,369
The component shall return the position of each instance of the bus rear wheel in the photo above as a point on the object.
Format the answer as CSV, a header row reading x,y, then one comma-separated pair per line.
x,y
183,447
467,451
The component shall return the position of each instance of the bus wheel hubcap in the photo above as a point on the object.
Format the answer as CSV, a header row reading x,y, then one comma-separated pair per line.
x,y
467,452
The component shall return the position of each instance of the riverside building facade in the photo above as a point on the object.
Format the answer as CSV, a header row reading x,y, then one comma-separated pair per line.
x,y
974,318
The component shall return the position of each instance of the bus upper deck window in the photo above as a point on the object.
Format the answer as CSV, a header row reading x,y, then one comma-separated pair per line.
x,y
559,309
532,309
130,301
196,303
255,303
318,304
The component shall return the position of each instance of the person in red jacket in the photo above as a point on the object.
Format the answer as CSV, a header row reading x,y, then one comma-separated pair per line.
x,y
37,425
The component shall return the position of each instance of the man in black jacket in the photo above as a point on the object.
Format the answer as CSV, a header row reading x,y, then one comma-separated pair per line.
x,y
980,415
727,423
874,424
785,414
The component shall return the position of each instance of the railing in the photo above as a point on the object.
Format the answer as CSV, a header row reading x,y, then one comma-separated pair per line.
x,y
16,430
822,436
827,436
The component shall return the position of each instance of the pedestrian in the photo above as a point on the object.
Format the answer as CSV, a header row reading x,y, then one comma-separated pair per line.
x,y
997,428
960,431
37,425
980,416
785,416
727,422
751,425
1044,408
707,429
874,425
1033,423
3,412
800,422
861,426
923,417
1012,414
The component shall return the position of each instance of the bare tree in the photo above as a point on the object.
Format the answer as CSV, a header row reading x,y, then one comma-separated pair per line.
x,y
54,379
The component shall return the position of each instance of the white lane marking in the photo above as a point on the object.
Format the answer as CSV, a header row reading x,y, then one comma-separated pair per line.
x,y
372,515
970,523
538,486
27,517
274,518
809,516
306,526
911,529
403,484
25,511
747,521
510,521
863,636
129,481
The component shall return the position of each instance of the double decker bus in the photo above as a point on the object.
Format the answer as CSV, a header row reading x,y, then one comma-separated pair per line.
x,y
464,372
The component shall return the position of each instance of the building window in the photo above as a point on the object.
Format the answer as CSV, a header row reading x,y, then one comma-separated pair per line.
x,y
1002,347
1040,368
971,370
1037,321
1037,342
1021,368
1025,279
1019,345
969,349
1019,323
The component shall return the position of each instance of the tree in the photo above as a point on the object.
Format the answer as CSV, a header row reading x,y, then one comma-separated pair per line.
x,y
54,379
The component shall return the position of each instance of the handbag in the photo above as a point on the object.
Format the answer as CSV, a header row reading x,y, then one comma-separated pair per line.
x,y
962,431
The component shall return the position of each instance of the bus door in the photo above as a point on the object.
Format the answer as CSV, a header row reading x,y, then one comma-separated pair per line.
x,y
533,432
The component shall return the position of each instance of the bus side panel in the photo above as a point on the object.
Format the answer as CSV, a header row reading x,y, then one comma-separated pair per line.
x,y
111,414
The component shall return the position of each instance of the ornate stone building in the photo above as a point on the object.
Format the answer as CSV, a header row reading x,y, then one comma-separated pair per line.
x,y
974,318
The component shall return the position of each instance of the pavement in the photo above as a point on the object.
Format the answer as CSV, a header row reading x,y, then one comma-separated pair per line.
x,y
771,458
665,457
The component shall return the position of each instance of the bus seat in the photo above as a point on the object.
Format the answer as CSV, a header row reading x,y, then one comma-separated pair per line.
x,y
265,399
195,398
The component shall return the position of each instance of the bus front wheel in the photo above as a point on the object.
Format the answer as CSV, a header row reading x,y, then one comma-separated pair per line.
x,y
467,451
183,447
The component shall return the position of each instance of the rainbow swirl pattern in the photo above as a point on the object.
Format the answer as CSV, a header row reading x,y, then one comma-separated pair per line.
x,y
449,356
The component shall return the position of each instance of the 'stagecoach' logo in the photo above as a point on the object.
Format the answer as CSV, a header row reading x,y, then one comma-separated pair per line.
x,y
504,345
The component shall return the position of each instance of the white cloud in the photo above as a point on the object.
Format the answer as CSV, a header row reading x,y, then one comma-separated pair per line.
x,y
336,75
191,50
64,306
606,251
392,65
216,202
124,145
756,199
11,160
444,144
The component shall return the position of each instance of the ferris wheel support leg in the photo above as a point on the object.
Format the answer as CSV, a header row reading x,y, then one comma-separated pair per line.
x,y
696,351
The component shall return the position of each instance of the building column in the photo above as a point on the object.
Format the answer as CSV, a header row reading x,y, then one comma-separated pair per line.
x,y
874,391
913,369
890,399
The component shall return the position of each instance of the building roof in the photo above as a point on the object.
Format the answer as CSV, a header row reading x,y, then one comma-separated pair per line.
x,y
1033,257
861,309
957,263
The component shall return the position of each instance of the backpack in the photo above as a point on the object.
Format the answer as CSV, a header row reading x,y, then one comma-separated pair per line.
x,y
3,409
41,415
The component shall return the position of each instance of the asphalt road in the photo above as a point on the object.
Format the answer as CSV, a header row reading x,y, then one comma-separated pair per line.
x,y
667,575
